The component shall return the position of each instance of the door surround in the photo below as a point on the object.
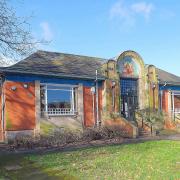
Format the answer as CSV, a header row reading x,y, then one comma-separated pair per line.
x,y
131,65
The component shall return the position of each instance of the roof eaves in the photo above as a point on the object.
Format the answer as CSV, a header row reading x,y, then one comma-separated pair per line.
x,y
54,75
169,83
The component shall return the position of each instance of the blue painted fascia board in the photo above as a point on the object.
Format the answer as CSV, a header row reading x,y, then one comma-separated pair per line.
x,y
169,87
47,79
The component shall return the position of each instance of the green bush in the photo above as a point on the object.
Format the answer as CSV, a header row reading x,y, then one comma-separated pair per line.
x,y
107,132
153,116
61,137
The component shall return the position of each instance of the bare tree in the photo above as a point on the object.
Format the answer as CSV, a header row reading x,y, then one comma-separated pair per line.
x,y
15,34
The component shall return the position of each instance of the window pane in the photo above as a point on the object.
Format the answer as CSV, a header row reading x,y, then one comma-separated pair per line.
x,y
59,99
128,86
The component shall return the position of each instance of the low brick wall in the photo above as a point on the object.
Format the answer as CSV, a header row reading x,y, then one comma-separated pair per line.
x,y
10,135
129,130
169,124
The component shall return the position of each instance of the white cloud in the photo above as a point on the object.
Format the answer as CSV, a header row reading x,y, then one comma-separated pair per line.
x,y
127,13
143,8
118,9
47,33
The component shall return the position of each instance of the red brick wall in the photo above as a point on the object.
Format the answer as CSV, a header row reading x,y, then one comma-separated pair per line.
x,y
122,125
165,101
89,118
20,106
1,135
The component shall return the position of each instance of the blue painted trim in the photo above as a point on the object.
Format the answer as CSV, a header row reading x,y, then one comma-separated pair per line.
x,y
167,87
46,79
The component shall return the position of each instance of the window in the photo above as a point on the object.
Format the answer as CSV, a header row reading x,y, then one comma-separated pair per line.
x,y
58,99
128,86
129,97
175,99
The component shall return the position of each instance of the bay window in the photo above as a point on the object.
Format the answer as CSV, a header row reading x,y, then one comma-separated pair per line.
x,y
58,99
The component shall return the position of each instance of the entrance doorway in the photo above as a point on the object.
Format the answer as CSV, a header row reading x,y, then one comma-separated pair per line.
x,y
129,97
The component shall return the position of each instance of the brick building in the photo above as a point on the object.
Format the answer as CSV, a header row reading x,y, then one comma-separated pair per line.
x,y
78,91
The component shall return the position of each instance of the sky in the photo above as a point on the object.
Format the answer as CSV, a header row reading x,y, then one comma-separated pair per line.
x,y
106,28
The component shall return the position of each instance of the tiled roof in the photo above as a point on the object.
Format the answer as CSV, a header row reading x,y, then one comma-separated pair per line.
x,y
71,66
59,64
166,77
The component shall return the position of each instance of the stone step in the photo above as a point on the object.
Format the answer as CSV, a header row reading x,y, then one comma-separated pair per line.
x,y
148,132
142,136
144,133
142,130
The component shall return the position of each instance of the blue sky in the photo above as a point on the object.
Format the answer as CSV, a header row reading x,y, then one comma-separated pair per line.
x,y
105,28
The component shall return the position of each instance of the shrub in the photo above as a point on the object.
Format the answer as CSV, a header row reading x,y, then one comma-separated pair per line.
x,y
91,134
106,132
153,116
22,141
62,137
115,131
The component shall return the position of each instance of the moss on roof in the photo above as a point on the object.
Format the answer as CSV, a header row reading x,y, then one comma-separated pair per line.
x,y
166,77
59,64
71,66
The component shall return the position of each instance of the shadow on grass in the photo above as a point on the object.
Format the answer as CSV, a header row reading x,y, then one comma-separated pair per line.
x,y
30,170
27,169
84,161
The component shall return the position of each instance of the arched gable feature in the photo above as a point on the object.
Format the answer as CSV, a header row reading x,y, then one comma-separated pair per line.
x,y
128,67
131,65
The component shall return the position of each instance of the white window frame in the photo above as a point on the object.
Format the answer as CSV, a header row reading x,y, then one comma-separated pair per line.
x,y
60,111
175,110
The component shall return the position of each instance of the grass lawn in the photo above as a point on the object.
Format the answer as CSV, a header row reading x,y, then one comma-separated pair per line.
x,y
149,160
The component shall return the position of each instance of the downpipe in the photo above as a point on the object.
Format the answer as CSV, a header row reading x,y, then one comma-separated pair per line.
x,y
98,123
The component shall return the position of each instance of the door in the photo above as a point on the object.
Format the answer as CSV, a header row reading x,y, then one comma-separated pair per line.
x,y
129,97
